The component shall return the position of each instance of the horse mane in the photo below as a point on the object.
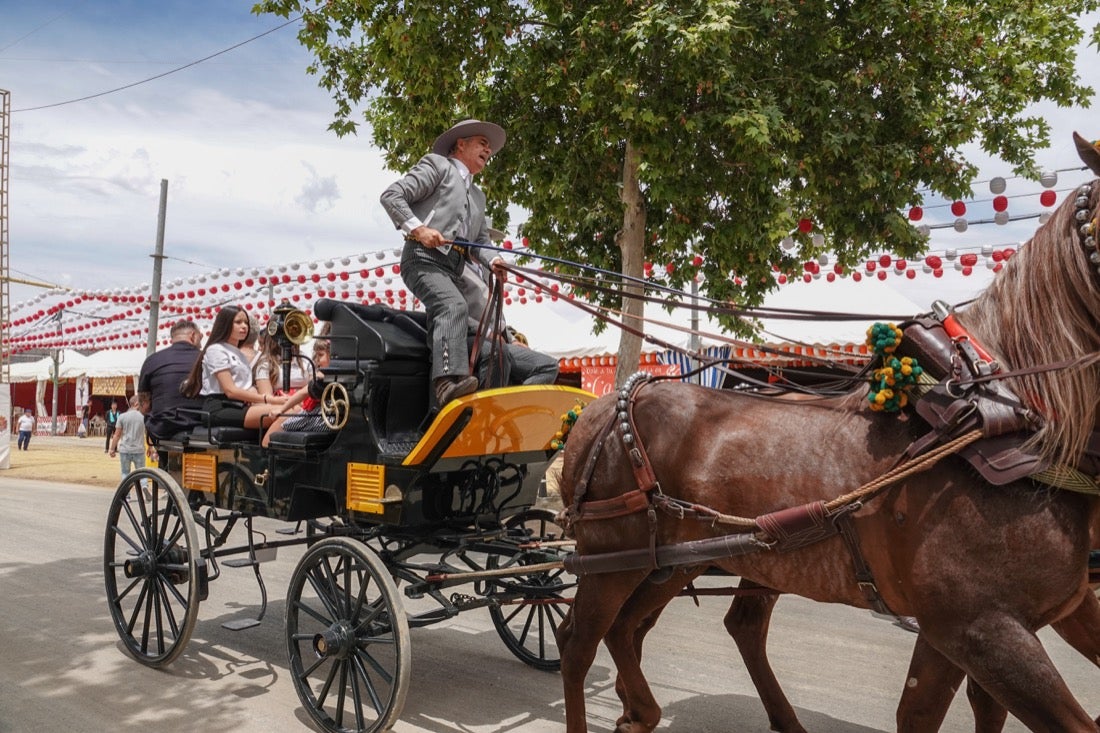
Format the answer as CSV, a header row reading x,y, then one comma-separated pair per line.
x,y
1043,307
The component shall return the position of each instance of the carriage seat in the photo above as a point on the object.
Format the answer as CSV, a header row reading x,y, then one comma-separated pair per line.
x,y
217,437
380,333
301,441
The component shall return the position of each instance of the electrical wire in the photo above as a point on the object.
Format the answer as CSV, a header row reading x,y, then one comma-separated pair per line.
x,y
161,76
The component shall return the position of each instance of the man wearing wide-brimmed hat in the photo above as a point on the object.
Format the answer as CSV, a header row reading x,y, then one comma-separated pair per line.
x,y
437,204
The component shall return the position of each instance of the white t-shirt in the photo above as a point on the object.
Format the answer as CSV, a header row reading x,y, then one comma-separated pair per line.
x,y
220,357
266,368
26,423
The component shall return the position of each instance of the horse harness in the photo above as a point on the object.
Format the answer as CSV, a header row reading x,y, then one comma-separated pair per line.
x,y
963,396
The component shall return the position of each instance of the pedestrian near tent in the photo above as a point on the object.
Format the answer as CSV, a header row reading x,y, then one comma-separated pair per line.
x,y
435,204
111,419
25,428
128,439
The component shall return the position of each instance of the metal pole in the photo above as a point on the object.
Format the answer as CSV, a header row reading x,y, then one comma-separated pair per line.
x,y
158,259
56,369
694,343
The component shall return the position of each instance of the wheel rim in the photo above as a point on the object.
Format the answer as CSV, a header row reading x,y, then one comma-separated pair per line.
x,y
150,567
528,625
347,638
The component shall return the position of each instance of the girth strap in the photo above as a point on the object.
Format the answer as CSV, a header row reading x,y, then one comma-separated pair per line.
x,y
864,578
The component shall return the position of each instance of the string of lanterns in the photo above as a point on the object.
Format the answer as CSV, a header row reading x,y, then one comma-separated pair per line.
x,y
118,318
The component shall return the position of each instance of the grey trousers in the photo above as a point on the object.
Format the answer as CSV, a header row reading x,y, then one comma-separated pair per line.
x,y
433,278
530,366
515,364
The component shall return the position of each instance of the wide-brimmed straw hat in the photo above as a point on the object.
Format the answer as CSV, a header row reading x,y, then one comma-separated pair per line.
x,y
470,128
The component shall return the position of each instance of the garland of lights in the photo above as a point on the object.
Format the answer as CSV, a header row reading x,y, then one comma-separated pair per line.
x,y
117,319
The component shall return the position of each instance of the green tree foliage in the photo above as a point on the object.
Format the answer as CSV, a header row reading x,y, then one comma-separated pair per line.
x,y
662,130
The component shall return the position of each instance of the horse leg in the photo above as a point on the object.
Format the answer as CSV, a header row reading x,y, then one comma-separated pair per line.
x,y
989,715
641,713
747,621
597,603
930,686
1081,630
1009,663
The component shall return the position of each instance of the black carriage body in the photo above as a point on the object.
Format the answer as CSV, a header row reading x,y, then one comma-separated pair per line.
x,y
392,463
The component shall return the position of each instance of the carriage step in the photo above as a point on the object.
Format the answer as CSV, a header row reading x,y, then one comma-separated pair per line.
x,y
263,554
241,624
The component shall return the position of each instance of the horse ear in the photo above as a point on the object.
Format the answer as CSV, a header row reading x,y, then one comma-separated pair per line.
x,y
1089,152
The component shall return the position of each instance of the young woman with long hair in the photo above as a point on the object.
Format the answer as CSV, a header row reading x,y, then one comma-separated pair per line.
x,y
223,377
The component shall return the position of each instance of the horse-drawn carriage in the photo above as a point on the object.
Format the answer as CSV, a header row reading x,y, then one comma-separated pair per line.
x,y
397,497
983,546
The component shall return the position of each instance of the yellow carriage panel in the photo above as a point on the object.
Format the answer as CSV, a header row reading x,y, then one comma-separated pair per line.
x,y
366,488
200,472
503,421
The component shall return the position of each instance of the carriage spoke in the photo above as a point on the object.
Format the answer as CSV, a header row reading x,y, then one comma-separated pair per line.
x,y
364,674
162,587
139,529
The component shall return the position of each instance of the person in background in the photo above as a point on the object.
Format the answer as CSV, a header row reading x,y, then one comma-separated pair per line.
x,y
250,347
159,382
111,419
267,368
223,377
308,419
435,204
25,428
128,441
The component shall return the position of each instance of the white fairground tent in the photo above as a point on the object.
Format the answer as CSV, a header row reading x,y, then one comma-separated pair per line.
x,y
108,372
565,331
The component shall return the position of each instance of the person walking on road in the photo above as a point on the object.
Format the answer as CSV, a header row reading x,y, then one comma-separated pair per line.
x,y
128,440
111,419
25,428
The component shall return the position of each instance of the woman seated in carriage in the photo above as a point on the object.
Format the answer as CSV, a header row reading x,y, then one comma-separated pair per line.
x,y
223,377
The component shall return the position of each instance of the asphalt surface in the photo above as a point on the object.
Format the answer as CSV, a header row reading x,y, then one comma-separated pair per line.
x,y
62,668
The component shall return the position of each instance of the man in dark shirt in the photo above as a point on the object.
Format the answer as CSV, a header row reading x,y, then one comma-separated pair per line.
x,y
159,383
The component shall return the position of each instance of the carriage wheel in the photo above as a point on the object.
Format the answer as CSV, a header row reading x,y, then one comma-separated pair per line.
x,y
528,626
348,638
153,578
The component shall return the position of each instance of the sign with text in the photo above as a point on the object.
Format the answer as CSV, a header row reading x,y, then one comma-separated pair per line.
x,y
600,380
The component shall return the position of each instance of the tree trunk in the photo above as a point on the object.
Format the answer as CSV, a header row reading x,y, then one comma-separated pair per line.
x,y
631,241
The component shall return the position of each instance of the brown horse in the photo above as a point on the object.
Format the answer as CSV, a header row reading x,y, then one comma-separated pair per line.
x,y
980,567
923,706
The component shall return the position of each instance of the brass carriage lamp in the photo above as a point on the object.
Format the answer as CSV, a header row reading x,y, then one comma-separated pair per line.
x,y
291,327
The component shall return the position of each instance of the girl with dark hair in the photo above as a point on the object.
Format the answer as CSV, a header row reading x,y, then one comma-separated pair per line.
x,y
223,377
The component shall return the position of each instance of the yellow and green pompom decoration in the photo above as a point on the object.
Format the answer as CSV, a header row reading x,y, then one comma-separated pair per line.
x,y
568,420
891,383
883,338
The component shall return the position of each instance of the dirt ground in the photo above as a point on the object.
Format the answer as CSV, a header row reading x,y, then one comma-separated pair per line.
x,y
66,460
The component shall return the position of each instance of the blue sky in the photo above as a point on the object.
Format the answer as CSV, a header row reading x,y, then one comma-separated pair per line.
x,y
254,175
255,178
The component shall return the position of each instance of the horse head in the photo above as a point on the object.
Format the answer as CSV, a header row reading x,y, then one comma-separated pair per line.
x,y
1044,308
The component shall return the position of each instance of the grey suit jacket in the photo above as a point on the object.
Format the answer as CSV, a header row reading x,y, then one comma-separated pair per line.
x,y
434,188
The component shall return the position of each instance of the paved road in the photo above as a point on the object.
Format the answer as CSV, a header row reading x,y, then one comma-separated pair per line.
x,y
62,669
